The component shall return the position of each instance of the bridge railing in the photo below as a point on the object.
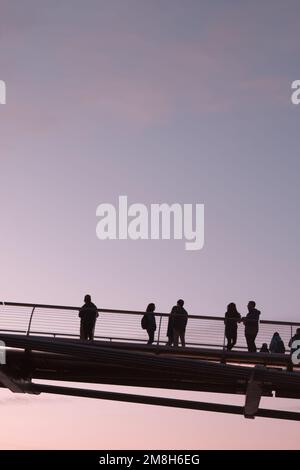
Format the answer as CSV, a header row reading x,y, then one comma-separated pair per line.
x,y
59,321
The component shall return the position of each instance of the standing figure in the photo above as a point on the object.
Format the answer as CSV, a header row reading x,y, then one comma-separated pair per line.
x,y
232,317
251,322
170,330
179,323
150,322
88,315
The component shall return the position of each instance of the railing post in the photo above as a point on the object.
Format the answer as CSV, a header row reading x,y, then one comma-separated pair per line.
x,y
30,321
224,337
159,328
223,358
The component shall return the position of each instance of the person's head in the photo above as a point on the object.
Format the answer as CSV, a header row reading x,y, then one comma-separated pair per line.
x,y
150,308
298,331
264,347
276,335
180,303
231,308
87,298
251,305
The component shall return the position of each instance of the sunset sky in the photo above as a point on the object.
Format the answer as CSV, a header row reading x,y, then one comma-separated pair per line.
x,y
162,101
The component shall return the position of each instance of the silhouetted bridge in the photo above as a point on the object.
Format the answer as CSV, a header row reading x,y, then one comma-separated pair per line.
x,y
42,343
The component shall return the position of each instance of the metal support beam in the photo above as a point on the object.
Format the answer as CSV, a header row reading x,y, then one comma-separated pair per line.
x,y
16,385
161,401
253,395
10,383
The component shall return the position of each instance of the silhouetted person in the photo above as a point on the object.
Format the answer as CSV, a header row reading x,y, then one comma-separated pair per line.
x,y
150,322
232,317
251,326
179,323
264,348
296,337
170,329
277,345
88,315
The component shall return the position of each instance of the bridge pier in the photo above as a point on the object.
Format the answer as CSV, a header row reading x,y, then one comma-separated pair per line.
x,y
15,385
253,395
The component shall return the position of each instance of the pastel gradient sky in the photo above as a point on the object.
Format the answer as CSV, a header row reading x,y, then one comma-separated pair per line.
x,y
164,101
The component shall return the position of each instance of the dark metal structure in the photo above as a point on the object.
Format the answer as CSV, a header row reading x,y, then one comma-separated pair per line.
x,y
41,344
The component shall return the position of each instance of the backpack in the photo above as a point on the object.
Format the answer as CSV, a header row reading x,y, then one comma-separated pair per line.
x,y
144,322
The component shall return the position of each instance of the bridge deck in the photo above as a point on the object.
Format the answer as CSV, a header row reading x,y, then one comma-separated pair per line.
x,y
36,350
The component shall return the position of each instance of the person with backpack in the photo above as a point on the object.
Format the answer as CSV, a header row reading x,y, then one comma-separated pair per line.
x,y
149,323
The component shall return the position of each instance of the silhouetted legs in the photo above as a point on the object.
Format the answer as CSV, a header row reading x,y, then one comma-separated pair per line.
x,y
82,332
179,334
230,343
231,337
91,332
87,330
250,338
170,337
151,335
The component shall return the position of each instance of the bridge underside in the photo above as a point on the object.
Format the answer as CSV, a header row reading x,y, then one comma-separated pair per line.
x,y
30,358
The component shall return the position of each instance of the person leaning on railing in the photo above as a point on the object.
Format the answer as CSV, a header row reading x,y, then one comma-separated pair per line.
x,y
232,317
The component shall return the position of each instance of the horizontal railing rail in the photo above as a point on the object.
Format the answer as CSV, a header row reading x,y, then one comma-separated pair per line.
x,y
124,325
135,312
